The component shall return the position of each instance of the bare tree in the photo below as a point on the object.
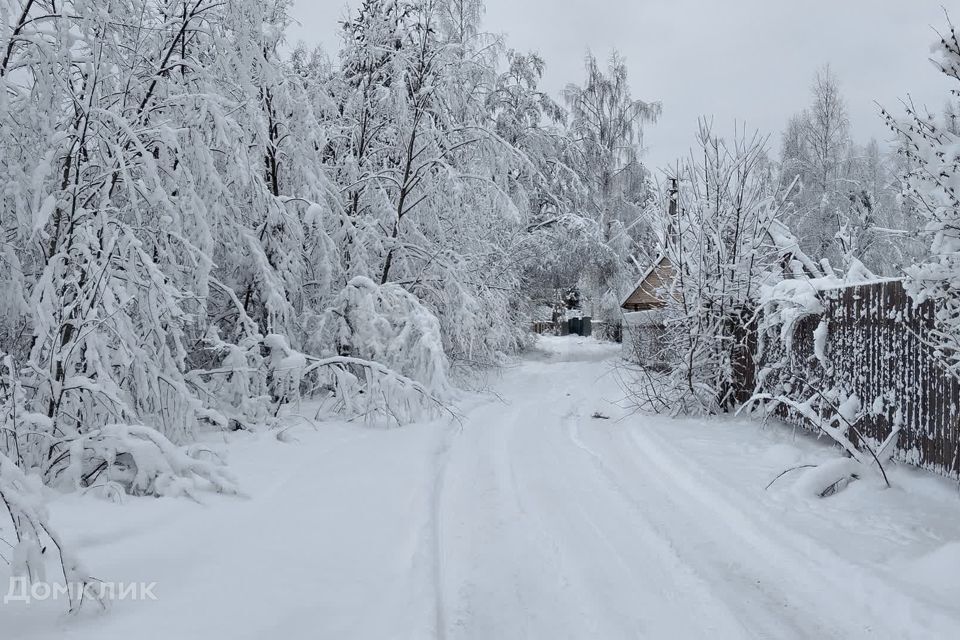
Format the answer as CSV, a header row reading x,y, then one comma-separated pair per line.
x,y
816,145
721,255
826,129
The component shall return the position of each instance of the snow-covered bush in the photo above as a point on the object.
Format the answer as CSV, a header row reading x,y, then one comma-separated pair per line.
x,y
387,324
23,514
235,385
351,385
806,384
139,459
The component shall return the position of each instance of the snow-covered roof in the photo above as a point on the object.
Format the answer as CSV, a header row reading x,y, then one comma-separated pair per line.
x,y
643,279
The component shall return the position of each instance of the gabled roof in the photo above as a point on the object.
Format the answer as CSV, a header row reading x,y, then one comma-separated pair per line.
x,y
645,288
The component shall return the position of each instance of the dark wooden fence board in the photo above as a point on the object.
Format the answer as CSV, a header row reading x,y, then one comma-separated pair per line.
x,y
877,347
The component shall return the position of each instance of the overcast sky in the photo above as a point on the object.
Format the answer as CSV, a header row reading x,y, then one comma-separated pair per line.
x,y
744,61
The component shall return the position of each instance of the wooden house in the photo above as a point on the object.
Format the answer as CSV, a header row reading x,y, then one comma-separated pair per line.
x,y
643,316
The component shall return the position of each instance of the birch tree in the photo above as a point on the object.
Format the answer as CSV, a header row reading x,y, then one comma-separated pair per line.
x,y
607,123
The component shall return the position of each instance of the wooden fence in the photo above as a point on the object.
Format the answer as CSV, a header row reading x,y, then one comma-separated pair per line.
x,y
541,328
876,349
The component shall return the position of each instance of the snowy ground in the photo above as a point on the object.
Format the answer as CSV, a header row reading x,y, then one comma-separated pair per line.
x,y
531,519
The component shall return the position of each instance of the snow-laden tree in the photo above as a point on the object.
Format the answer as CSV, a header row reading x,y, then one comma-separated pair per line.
x,y
931,148
844,207
387,324
720,250
195,193
880,229
815,146
151,243
607,124
527,119
100,232
561,240
425,177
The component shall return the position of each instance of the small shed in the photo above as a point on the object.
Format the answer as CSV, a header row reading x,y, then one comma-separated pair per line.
x,y
643,317
647,294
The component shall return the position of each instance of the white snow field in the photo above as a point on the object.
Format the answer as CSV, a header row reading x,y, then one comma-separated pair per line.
x,y
530,519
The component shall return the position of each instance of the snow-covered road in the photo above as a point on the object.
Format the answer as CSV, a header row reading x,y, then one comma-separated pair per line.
x,y
530,519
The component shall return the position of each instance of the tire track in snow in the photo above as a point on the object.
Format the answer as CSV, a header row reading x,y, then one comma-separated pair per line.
x,y
551,525
442,458
594,569
670,584
509,573
815,570
608,583
707,576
